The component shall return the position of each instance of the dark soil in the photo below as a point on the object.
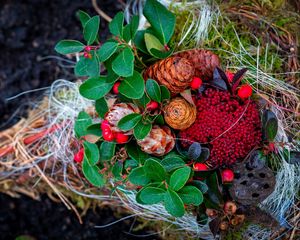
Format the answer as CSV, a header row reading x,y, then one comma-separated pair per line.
x,y
43,220
29,29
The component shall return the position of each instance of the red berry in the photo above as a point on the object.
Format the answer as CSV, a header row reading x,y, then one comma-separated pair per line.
x,y
116,87
227,175
230,75
105,125
245,91
200,167
152,105
87,55
88,48
196,83
108,135
230,207
78,157
121,138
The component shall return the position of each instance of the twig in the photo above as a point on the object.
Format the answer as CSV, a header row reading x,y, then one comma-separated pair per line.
x,y
100,12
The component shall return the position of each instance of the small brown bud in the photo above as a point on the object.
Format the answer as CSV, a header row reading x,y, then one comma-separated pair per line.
x,y
230,207
224,225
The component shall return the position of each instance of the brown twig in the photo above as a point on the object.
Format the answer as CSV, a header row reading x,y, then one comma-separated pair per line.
x,y
100,12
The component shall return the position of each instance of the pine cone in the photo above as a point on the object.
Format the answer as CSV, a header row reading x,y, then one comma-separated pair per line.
x,y
117,112
179,114
159,141
203,60
175,73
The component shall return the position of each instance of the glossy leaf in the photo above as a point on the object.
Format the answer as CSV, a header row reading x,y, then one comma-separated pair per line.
x,y
270,125
172,161
122,65
173,203
95,130
95,88
134,24
107,50
81,67
134,151
141,130
165,93
191,195
133,87
129,121
152,42
152,195
83,17
154,170
69,46
82,122
117,170
138,176
93,66
91,153
91,29
101,107
116,25
107,150
179,178
153,90
92,174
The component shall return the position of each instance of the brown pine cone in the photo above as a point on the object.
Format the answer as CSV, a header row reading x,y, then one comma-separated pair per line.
x,y
117,112
175,73
179,114
158,142
203,60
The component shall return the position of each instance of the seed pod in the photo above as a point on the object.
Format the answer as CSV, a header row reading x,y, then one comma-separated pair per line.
x,y
179,114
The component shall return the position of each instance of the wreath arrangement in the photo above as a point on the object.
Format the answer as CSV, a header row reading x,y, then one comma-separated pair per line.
x,y
167,128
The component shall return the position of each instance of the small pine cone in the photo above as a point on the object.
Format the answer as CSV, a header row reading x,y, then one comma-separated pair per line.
x,y
175,73
117,112
203,60
179,114
158,142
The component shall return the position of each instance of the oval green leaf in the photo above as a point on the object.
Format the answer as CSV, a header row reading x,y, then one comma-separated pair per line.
x,y
107,50
152,195
138,177
122,65
90,30
153,90
116,24
95,88
107,150
129,121
173,203
179,178
69,46
132,87
91,153
154,170
172,162
141,130
82,122
191,195
92,174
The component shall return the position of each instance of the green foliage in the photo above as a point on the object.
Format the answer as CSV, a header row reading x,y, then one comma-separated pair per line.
x,y
173,203
90,30
152,195
69,46
133,87
92,174
91,153
129,121
153,90
107,150
141,130
179,178
95,88
82,122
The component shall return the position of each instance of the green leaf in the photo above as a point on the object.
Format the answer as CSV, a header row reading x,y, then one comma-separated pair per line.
x,y
93,66
69,46
191,195
138,177
129,121
127,33
133,87
161,54
179,178
152,43
134,151
123,63
95,129
141,130
270,125
95,88
139,41
159,120
91,153
202,186
165,93
134,24
154,170
173,203
92,174
214,191
107,150
143,101
161,20
131,163
83,17
172,161
153,90
116,25
81,67
117,169
82,122
90,30
152,195
101,107
107,50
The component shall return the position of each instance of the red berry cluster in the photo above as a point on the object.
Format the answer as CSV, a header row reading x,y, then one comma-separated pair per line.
x,y
217,111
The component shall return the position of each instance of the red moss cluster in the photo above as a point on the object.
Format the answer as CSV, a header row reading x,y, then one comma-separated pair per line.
x,y
217,111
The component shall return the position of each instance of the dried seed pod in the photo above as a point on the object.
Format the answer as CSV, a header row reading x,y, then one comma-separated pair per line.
x,y
175,73
203,60
179,114
117,112
223,225
158,142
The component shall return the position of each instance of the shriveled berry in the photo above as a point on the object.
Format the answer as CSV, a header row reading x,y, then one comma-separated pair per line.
x,y
196,83
230,207
200,167
78,157
227,175
105,125
245,91
229,75
108,135
152,105
121,138
116,87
